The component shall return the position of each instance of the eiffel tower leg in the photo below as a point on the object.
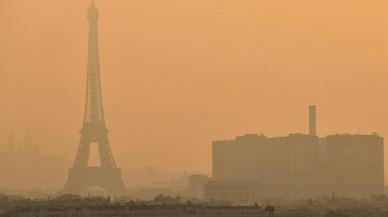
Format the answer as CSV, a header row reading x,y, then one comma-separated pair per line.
x,y
74,185
106,178
105,152
82,157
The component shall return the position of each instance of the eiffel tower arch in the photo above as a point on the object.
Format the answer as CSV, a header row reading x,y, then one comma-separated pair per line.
x,y
106,176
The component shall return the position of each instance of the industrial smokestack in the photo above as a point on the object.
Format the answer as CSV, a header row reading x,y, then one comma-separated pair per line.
x,y
312,121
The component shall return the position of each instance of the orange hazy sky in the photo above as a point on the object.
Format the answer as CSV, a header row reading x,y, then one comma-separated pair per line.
x,y
178,74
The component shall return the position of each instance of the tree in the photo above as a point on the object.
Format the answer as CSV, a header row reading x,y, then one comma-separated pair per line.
x,y
270,209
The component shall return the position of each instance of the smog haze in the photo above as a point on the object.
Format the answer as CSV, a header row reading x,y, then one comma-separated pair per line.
x,y
177,75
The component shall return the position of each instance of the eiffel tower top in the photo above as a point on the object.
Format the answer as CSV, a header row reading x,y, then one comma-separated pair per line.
x,y
93,12
94,112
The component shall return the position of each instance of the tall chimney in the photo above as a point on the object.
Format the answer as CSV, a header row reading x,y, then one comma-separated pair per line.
x,y
312,121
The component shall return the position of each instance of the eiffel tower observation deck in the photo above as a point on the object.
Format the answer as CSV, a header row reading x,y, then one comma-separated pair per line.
x,y
94,131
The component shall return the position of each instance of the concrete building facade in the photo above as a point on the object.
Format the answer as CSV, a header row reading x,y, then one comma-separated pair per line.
x,y
355,165
197,185
300,166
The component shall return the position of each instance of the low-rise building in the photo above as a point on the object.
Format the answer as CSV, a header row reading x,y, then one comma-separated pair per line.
x,y
236,192
197,185
147,210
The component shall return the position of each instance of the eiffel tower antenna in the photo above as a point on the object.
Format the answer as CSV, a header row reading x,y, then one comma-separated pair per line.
x,y
107,176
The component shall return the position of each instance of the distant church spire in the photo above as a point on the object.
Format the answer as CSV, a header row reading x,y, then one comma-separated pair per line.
x,y
28,144
11,142
36,148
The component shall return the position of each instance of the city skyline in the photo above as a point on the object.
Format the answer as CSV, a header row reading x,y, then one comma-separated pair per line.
x,y
169,105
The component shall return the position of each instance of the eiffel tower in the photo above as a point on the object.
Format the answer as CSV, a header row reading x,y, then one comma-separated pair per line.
x,y
106,176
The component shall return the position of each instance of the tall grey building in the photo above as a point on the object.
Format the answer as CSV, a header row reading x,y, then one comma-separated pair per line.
x,y
355,165
284,166
242,159
292,166
303,166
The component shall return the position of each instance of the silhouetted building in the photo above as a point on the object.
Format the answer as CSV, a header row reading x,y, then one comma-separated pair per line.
x,y
148,210
302,166
284,166
181,185
293,165
242,159
151,193
27,163
244,193
197,185
355,165
166,200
